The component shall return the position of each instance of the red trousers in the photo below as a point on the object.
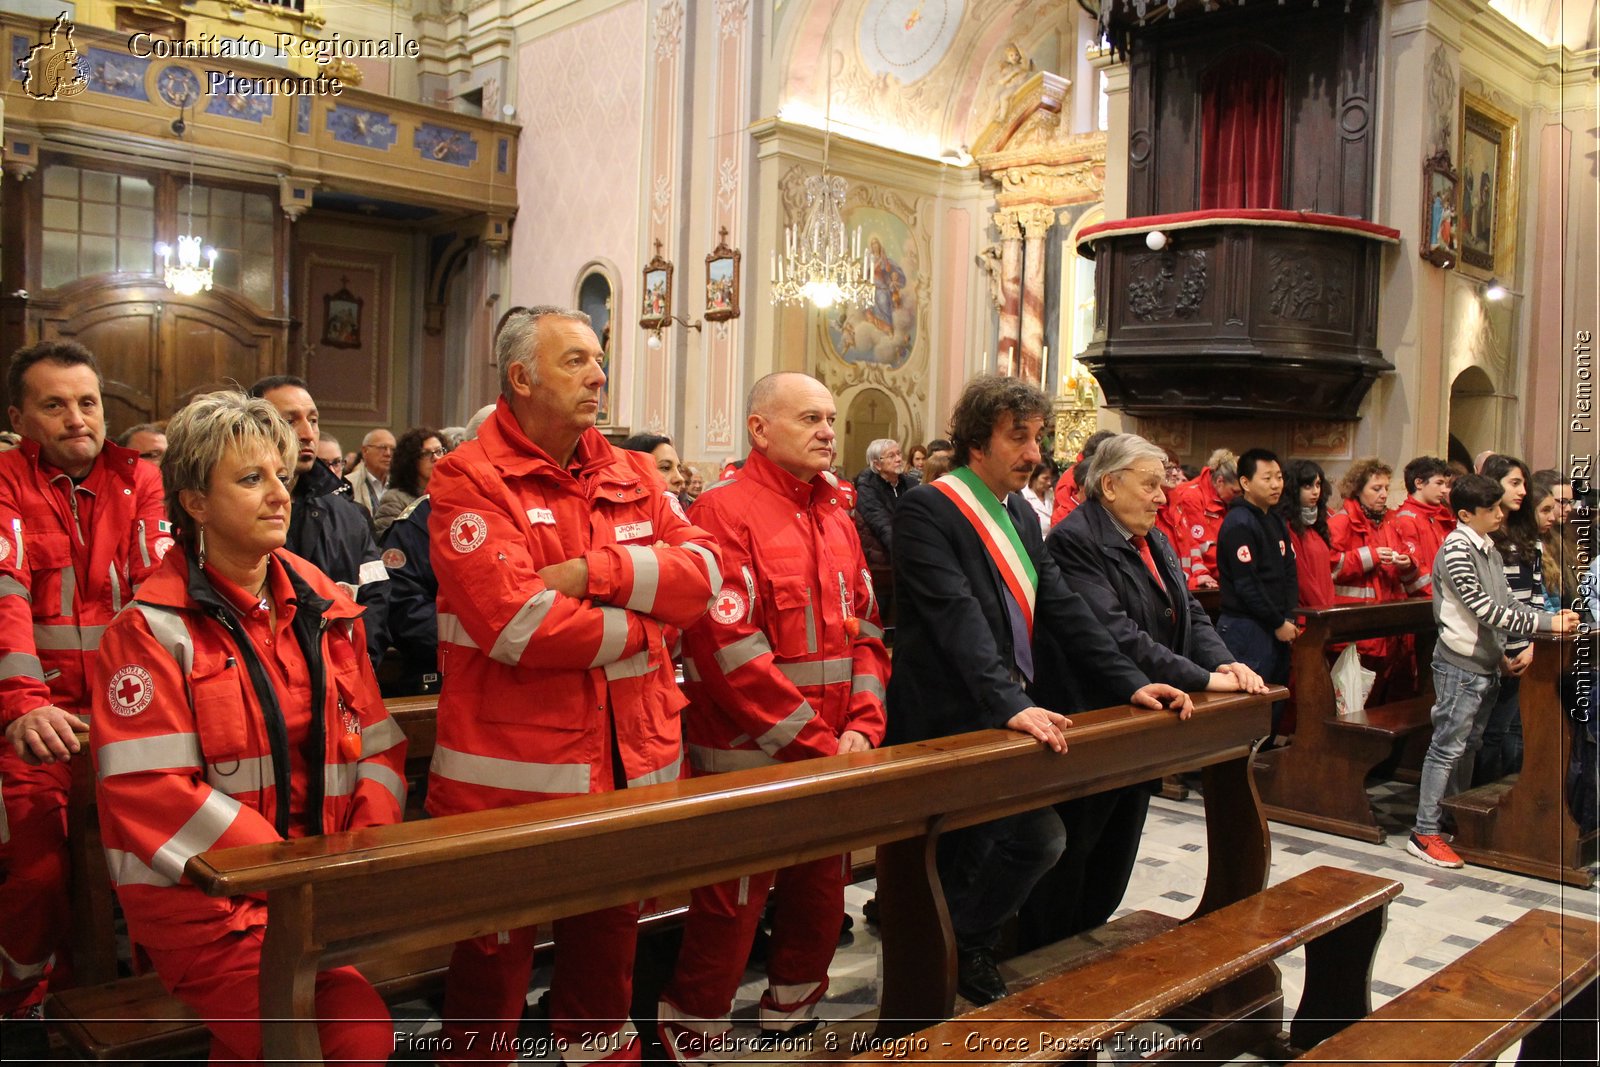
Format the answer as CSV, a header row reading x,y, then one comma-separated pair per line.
x,y
35,909
221,981
719,932
591,991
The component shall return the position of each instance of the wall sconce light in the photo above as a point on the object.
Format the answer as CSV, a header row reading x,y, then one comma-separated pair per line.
x,y
654,340
1495,290
1155,240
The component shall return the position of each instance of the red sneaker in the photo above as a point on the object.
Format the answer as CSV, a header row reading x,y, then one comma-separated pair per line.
x,y
1431,848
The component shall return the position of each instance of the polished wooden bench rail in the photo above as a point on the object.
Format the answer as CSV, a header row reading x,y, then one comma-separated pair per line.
x,y
353,897
1522,823
1337,915
94,943
1533,981
1319,780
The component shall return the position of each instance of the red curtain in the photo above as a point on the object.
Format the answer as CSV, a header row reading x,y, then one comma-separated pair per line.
x,y
1241,132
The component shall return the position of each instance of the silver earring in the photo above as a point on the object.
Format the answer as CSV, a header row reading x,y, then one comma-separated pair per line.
x,y
200,543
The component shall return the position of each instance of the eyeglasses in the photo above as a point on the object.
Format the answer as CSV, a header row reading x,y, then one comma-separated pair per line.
x,y
336,464
436,453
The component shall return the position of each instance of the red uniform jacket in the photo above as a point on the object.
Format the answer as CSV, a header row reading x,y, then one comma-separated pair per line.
x,y
189,756
791,654
1194,518
70,557
1358,577
1419,530
1312,569
536,681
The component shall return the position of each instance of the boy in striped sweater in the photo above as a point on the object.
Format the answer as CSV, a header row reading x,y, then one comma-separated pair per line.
x,y
1474,609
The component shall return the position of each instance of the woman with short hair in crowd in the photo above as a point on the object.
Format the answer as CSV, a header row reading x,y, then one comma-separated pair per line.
x,y
234,704
659,447
414,456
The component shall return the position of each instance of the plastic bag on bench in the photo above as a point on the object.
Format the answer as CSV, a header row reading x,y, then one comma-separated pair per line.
x,y
1352,684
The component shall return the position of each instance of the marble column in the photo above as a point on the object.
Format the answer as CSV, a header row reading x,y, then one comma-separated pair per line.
x,y
1010,228
1036,223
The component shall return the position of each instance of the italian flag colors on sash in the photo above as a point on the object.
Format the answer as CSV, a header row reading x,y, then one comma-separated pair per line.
x,y
998,534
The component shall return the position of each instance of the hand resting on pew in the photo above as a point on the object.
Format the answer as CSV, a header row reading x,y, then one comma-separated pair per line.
x,y
1158,696
47,735
1041,723
1235,678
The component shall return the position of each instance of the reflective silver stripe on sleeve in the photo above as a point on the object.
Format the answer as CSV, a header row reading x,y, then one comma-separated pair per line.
x,y
338,779
9,586
372,571
144,545
380,736
817,672
870,629
713,572
21,665
787,729
386,777
1358,592
67,637
69,586
669,773
204,828
494,773
169,630
234,777
731,657
646,578
452,632
722,760
128,869
1368,561
116,589
635,666
613,636
164,752
518,631
866,683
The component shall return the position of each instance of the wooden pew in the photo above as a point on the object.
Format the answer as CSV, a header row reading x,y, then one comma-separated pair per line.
x,y
540,862
1336,915
1319,780
1522,823
1533,981
94,942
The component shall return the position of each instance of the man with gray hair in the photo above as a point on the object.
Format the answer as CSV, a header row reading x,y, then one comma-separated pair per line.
x,y
879,487
562,563
1111,554
370,476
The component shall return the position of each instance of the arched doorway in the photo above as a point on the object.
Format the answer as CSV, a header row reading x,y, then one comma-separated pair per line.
x,y
871,415
1475,411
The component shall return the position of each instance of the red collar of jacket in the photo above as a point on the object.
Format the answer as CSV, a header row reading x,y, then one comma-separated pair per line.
x,y
113,462
1438,512
169,586
822,491
511,453
1213,503
1359,522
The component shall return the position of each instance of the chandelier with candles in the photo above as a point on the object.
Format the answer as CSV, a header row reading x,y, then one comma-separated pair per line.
x,y
188,277
820,264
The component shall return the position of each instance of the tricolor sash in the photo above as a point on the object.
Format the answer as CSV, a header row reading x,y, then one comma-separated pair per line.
x,y
997,532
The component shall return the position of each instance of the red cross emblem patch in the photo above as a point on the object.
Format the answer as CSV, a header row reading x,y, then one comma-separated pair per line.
x,y
1197,531
1244,553
729,607
130,690
5,550
160,547
467,532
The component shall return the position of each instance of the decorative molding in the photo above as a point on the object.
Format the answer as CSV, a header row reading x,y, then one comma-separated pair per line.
x,y
1442,100
661,201
1155,291
1037,220
732,15
1009,225
1322,439
669,28
727,182
1308,289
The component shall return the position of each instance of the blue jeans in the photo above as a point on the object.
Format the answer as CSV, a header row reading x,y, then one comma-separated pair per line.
x,y
1461,707
1501,753
988,870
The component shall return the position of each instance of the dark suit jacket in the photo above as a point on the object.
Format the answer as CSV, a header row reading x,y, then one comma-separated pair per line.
x,y
1171,642
953,654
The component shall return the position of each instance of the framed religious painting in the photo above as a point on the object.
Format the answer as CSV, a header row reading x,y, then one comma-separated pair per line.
x,y
722,281
341,317
657,292
1439,237
1487,202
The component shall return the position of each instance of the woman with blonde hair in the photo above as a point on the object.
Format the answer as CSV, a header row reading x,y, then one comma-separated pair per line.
x,y
234,704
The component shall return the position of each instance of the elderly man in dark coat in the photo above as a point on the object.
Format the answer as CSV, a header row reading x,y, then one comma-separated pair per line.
x,y
1110,554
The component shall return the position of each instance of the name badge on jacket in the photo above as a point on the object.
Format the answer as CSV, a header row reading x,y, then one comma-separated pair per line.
x,y
633,531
